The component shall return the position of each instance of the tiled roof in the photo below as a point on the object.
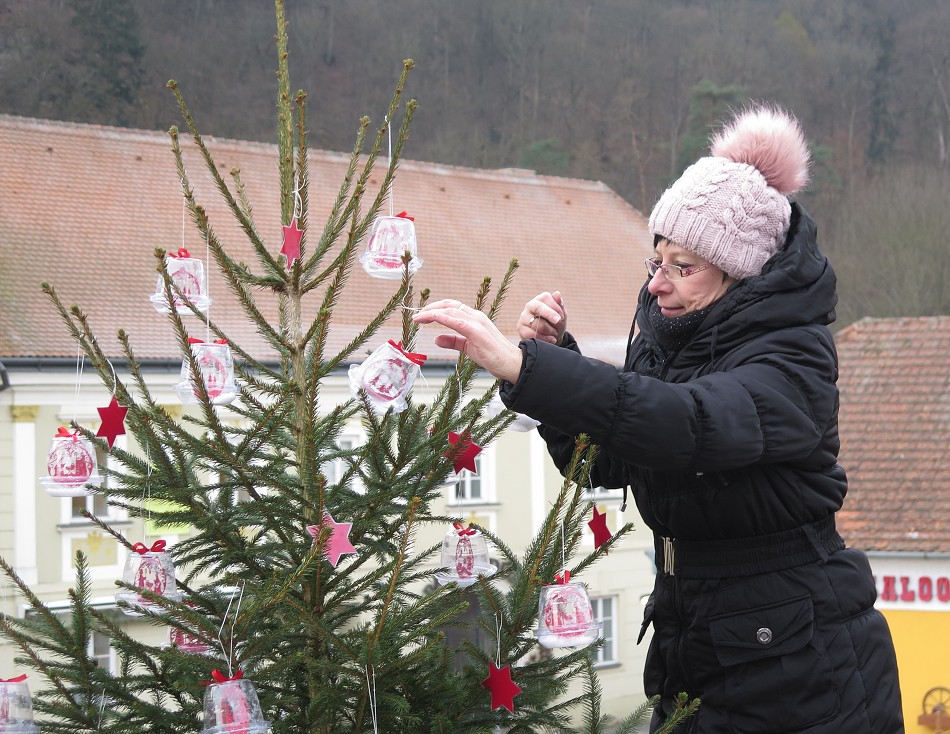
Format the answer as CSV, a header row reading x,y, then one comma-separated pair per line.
x,y
84,206
895,433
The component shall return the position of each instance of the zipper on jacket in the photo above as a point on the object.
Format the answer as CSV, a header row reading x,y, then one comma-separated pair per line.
x,y
681,626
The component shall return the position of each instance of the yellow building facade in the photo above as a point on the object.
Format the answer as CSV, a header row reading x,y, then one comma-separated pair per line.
x,y
914,596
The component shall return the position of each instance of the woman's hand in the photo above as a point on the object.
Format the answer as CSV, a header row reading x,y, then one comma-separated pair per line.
x,y
544,318
475,336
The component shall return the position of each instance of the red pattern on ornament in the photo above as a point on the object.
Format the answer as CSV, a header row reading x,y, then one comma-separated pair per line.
x,y
214,374
234,709
151,575
70,462
386,379
464,558
186,641
387,245
567,609
187,283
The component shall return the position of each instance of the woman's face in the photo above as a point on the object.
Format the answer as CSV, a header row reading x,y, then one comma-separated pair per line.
x,y
678,296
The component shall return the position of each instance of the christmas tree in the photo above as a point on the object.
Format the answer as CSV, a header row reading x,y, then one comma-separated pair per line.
x,y
297,588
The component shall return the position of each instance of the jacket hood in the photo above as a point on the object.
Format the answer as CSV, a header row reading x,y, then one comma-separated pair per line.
x,y
797,286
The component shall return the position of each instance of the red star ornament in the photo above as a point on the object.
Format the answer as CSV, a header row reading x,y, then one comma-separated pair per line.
x,y
503,688
598,527
291,246
113,421
339,541
465,457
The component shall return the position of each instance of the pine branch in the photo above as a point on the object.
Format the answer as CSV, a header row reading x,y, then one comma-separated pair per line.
x,y
263,254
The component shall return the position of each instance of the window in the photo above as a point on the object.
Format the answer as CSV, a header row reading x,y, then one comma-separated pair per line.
x,y
104,555
335,470
478,487
469,488
603,607
100,650
96,504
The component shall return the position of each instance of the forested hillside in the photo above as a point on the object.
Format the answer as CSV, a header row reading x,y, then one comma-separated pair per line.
x,y
622,91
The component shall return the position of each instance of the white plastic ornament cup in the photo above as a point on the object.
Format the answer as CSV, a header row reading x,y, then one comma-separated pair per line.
x,y
389,239
150,569
522,423
565,615
231,706
72,466
217,373
188,273
16,707
464,557
187,642
386,376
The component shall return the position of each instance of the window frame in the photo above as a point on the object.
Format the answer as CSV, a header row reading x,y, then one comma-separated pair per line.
x,y
609,646
460,491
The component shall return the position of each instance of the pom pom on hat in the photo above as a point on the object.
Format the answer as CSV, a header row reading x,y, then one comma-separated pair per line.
x,y
731,208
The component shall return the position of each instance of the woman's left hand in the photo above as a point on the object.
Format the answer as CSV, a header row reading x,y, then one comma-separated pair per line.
x,y
475,336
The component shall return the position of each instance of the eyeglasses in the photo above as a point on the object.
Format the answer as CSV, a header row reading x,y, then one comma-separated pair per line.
x,y
672,272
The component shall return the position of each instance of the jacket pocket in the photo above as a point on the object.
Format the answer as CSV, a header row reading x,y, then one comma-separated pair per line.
x,y
762,632
777,678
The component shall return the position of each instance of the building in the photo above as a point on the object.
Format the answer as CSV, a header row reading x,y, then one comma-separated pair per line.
x,y
84,207
895,446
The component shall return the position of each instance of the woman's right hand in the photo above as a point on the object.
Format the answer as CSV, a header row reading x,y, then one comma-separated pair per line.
x,y
544,318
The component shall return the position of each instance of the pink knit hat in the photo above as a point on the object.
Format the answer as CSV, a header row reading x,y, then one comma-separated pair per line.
x,y
731,208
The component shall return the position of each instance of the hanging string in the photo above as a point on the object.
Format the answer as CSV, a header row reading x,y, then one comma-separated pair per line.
x,y
298,200
102,708
115,378
229,654
389,161
497,640
184,209
80,362
371,692
208,284
147,491
563,555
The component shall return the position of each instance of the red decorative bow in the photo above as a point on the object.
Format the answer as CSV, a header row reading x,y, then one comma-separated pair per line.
x,y
19,679
196,340
220,677
405,215
462,530
64,432
157,547
182,252
413,357
564,577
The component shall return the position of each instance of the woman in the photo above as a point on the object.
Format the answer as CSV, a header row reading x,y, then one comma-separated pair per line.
x,y
723,422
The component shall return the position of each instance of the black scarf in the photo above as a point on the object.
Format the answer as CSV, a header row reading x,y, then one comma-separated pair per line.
x,y
674,333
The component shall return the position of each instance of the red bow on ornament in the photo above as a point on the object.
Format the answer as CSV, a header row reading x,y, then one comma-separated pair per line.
x,y
182,252
157,547
460,529
196,340
563,578
405,215
19,679
220,677
64,432
413,357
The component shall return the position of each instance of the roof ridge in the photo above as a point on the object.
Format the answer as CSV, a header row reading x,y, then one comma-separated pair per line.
x,y
510,174
867,323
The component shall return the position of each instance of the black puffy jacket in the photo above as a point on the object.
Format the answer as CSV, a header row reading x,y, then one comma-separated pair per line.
x,y
730,448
